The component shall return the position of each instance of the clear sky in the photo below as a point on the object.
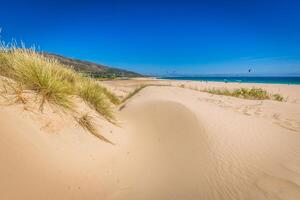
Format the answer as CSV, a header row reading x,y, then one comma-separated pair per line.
x,y
184,37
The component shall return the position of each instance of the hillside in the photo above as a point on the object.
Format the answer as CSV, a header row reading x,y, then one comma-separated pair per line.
x,y
94,69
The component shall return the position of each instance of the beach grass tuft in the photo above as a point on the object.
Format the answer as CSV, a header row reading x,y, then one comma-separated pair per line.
x,y
134,92
53,82
245,93
92,93
41,75
14,90
110,95
87,123
277,97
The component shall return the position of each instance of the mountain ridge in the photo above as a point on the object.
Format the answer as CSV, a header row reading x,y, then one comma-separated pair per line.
x,y
91,68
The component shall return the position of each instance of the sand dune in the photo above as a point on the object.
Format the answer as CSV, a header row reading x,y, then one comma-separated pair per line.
x,y
173,143
215,154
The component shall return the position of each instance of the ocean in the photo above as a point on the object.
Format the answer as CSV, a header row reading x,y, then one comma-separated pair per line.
x,y
268,80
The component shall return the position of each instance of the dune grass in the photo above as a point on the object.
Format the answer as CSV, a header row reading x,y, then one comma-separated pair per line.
x,y
13,92
46,77
54,82
86,122
277,97
245,93
93,94
110,95
134,92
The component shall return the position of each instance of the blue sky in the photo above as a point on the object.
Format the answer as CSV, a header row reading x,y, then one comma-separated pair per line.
x,y
182,37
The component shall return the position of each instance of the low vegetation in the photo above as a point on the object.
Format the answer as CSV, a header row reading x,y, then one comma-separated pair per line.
x,y
277,97
53,82
111,96
92,93
134,92
12,92
245,93
45,77
86,122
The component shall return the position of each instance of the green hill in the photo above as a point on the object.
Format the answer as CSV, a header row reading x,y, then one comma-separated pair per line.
x,y
93,69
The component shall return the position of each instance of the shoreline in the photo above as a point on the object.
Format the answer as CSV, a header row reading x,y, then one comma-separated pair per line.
x,y
227,80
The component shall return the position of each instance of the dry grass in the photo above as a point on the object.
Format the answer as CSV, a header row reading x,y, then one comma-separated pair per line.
x,y
46,77
134,92
139,88
111,96
245,93
53,82
93,94
277,97
13,92
86,122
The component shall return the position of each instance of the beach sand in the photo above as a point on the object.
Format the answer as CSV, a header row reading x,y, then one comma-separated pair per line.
x,y
170,143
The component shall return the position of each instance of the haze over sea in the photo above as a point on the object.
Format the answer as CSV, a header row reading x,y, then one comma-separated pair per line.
x,y
240,79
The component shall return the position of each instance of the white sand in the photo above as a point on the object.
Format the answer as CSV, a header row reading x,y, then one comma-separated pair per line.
x,y
173,143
